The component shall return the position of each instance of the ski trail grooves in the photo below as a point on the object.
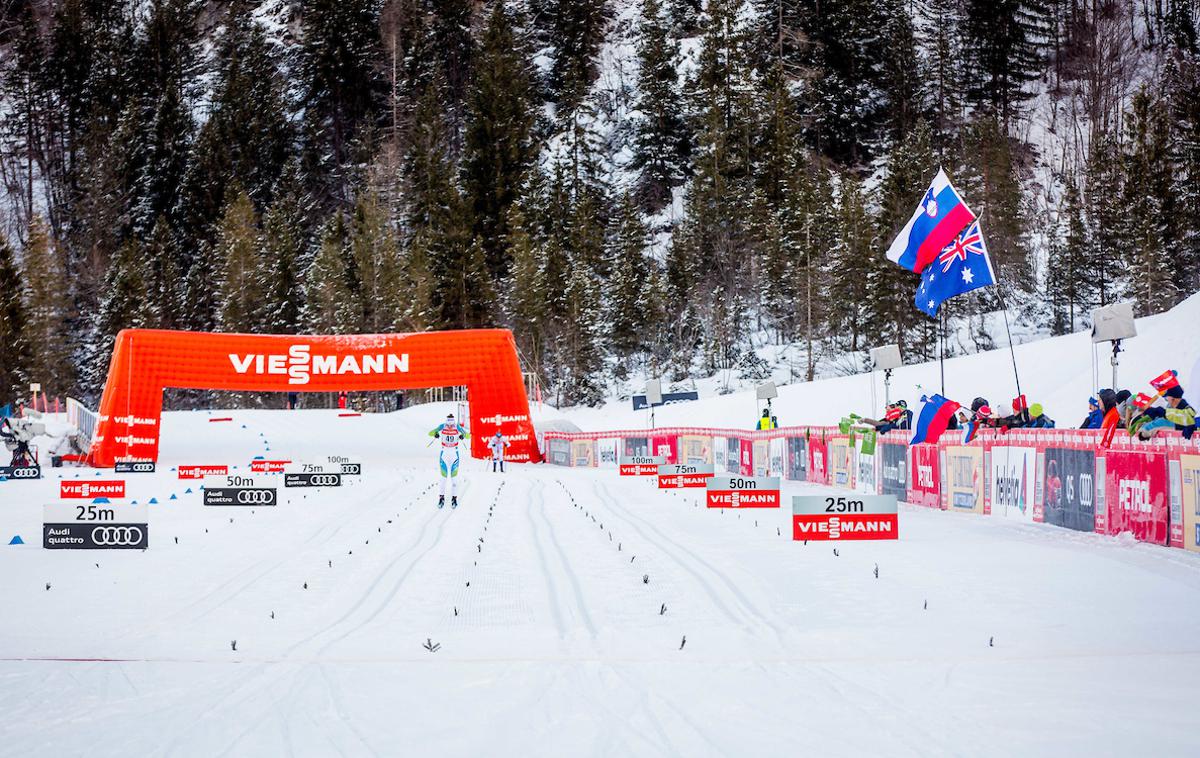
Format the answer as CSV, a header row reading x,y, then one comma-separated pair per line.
x,y
567,571
747,614
547,576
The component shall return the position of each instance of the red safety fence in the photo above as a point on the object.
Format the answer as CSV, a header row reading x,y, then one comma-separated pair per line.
x,y
1063,477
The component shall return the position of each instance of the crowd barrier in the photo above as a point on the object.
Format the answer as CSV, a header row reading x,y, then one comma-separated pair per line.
x,y
1147,488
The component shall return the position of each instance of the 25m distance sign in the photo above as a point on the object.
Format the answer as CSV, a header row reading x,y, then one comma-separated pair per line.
x,y
845,517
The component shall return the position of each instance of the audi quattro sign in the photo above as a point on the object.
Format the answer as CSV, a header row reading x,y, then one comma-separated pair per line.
x,y
21,472
312,475
341,464
133,467
90,489
844,517
731,491
639,465
95,526
683,475
237,490
199,472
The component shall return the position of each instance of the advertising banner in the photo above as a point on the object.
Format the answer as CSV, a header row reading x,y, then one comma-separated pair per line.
x,y
1136,493
668,398
720,448
866,481
778,452
558,451
260,466
1189,466
607,450
1069,489
199,472
695,449
747,465
818,473
88,489
924,488
635,446
665,447
762,458
733,455
893,470
583,453
797,459
1013,481
964,479
839,462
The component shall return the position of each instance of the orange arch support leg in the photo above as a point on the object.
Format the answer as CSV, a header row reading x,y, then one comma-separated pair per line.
x,y
146,361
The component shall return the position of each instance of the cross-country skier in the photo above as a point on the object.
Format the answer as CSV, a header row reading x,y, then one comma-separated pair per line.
x,y
450,433
498,444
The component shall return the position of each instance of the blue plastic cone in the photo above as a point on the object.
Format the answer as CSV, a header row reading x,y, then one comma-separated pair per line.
x,y
100,500
173,496
153,501
16,540
189,491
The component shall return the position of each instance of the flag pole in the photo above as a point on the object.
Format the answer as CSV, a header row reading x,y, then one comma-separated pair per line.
x,y
1011,350
942,348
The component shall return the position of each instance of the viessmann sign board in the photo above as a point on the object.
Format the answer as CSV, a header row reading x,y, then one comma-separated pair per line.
x,y
95,526
844,517
730,491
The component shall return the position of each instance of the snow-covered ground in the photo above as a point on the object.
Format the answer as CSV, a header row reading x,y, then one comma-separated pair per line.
x,y
545,590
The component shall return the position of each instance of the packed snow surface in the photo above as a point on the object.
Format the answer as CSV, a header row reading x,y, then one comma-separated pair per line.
x,y
546,592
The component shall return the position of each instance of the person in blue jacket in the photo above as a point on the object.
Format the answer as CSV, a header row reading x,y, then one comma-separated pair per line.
x,y
1095,415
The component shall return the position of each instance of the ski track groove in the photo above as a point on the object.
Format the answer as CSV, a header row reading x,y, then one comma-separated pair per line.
x,y
568,572
748,613
547,575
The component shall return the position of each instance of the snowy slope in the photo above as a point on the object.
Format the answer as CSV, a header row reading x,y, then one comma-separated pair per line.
x,y
557,645
1056,372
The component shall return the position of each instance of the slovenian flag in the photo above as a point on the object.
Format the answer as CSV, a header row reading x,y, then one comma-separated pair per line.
x,y
934,419
934,225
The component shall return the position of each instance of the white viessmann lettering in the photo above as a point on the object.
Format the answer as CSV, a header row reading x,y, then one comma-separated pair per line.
x,y
299,364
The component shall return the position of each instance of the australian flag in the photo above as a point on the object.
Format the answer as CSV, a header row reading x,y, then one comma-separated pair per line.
x,y
960,267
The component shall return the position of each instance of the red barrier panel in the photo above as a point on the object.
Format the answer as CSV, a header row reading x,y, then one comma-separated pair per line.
x,y
146,361
925,476
818,460
1136,494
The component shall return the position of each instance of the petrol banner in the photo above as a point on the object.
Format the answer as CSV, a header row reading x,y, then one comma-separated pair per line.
x,y
1012,481
924,489
964,479
1136,493
1068,491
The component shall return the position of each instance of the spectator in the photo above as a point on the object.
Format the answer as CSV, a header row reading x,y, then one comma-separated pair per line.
x,y
898,416
1095,416
767,421
342,400
1177,415
1124,407
1038,418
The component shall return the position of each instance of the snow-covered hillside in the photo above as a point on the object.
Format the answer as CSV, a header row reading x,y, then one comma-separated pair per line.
x,y
1058,372
561,600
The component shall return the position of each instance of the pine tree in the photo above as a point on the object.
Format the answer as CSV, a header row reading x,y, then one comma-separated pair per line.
x,y
326,296
236,246
1068,279
375,251
579,346
1107,222
416,312
849,293
1004,42
576,31
499,146
527,299
124,306
164,276
47,310
282,261
662,143
247,138
15,350
627,292
341,91
1148,200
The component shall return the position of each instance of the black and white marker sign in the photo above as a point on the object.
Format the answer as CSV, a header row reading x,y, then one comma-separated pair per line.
x,y
21,472
237,490
95,526
133,467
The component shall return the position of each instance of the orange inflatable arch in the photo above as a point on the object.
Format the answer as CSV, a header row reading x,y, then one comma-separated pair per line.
x,y
146,361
